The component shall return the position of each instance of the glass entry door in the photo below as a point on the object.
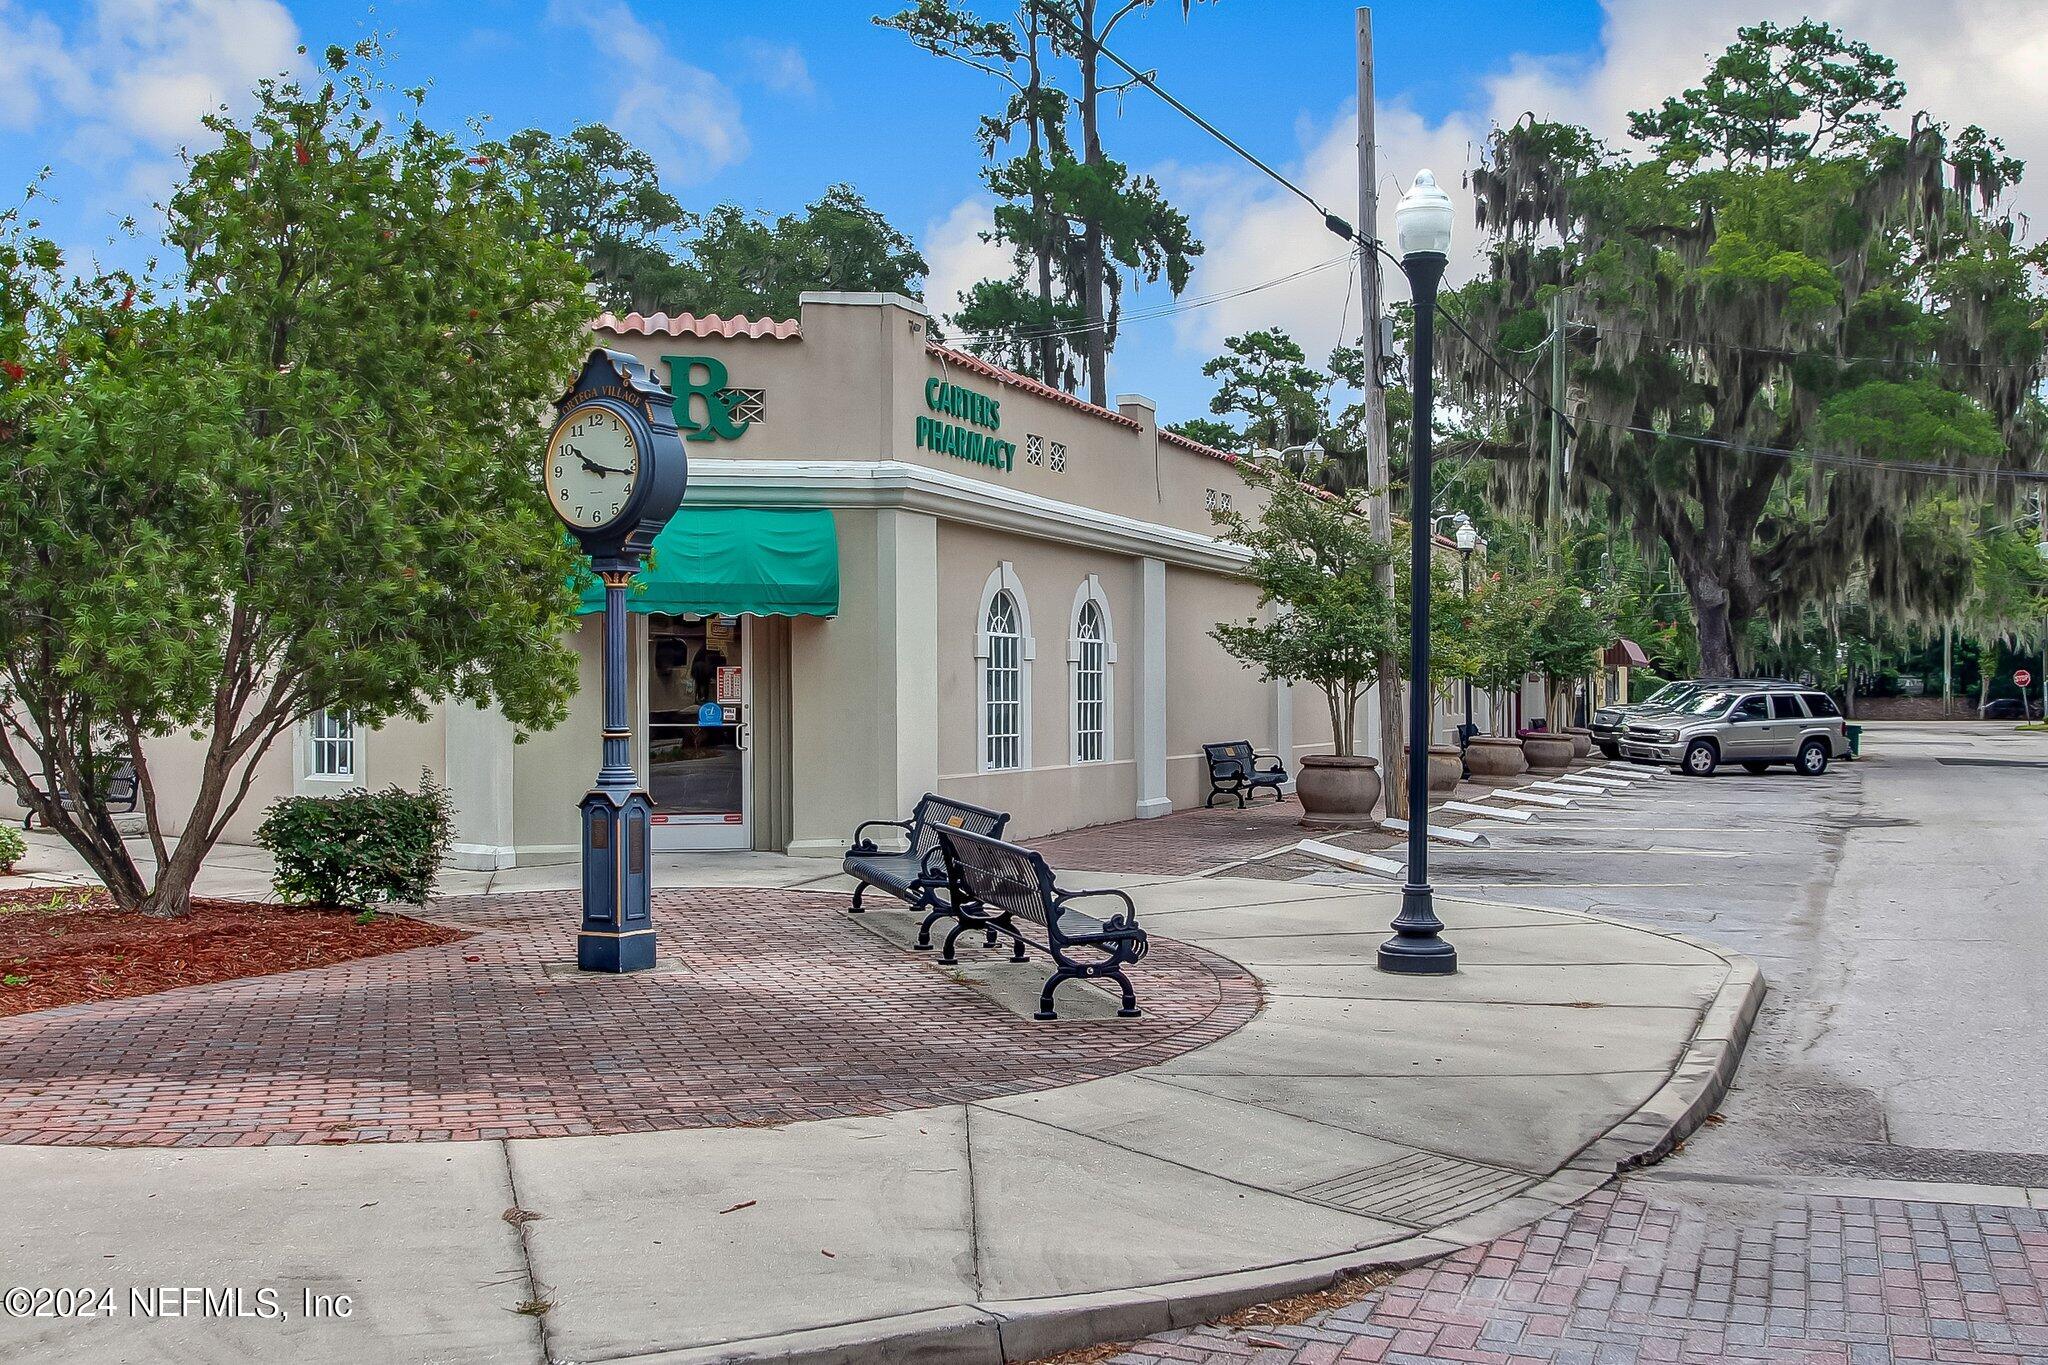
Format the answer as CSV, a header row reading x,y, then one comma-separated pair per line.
x,y
697,770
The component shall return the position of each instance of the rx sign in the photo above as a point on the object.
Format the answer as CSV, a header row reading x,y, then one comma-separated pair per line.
x,y
705,402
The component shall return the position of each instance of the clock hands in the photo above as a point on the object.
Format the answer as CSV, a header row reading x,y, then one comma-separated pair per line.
x,y
592,465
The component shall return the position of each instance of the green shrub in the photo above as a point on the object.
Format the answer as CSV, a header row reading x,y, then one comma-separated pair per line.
x,y
362,849
12,847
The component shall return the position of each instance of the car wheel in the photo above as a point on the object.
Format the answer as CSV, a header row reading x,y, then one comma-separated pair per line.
x,y
1700,758
1813,758
1757,768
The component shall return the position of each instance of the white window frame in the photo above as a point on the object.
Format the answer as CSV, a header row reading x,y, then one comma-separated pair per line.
x,y
1090,594
345,742
1002,580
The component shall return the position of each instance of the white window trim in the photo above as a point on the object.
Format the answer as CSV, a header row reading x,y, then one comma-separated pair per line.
x,y
1003,578
310,781
1090,590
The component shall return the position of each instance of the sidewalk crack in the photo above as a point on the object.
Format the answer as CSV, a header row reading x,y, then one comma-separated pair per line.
x,y
536,1292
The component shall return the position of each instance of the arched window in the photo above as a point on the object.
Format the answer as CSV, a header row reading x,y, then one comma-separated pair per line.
x,y
1091,660
1002,672
1004,651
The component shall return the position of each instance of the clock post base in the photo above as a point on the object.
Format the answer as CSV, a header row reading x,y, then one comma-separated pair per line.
x,y
609,951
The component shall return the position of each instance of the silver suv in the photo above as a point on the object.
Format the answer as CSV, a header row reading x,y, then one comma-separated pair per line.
x,y
1609,721
1755,728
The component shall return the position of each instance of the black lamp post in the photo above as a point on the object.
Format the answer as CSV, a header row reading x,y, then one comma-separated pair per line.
x,y
1422,226
1468,541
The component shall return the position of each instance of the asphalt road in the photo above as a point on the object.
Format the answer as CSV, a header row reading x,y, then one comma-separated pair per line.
x,y
1897,908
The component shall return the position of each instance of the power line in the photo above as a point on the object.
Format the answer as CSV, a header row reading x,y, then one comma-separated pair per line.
x,y
1330,220
1026,334
1830,457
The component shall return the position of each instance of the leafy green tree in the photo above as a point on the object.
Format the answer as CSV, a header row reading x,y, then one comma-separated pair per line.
x,y
1572,626
602,196
1316,561
1082,226
1489,634
308,479
1210,432
741,262
1778,309
1265,376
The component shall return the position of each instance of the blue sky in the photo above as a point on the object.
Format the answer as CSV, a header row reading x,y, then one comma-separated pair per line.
x,y
764,104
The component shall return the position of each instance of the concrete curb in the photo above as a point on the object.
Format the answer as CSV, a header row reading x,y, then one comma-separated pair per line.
x,y
997,1332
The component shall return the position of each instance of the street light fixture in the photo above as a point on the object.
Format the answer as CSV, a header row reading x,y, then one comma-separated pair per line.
x,y
1422,229
1467,536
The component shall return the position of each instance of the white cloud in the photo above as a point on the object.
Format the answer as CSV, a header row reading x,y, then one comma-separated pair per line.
x,y
958,257
1965,61
141,71
686,118
34,65
779,67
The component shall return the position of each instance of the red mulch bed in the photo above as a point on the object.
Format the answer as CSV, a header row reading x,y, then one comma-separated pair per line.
x,y
70,947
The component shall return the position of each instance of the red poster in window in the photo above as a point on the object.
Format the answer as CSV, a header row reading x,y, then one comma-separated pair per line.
x,y
728,684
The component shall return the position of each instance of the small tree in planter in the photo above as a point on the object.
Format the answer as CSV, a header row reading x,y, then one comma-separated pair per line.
x,y
1572,626
1491,644
1316,561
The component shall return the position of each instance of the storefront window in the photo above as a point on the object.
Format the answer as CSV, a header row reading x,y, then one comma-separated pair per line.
x,y
1089,708
1003,691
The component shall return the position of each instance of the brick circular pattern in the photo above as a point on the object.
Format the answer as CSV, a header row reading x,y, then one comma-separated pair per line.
x,y
786,1010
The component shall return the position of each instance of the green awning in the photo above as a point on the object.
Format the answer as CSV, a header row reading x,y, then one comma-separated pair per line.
x,y
733,561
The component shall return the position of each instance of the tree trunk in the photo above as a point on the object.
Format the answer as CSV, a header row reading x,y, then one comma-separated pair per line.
x,y
1048,345
1716,628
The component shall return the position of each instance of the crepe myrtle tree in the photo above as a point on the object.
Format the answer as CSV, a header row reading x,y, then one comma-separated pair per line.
x,y
302,477
1315,560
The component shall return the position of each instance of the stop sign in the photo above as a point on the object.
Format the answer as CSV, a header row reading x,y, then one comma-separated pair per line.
x,y
2023,677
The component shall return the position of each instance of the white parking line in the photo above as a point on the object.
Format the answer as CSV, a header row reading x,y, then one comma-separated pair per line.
x,y
1490,812
1449,834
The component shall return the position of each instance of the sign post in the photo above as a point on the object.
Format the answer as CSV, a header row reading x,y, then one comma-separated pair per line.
x,y
614,473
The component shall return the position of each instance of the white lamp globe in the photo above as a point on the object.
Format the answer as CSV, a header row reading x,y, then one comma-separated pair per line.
x,y
1468,537
1422,220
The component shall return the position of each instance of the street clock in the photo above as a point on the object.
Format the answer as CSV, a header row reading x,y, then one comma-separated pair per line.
x,y
614,474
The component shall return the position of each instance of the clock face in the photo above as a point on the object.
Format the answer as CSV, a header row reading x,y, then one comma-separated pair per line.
x,y
592,468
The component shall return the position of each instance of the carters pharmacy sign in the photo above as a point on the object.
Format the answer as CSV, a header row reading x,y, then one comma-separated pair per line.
x,y
960,438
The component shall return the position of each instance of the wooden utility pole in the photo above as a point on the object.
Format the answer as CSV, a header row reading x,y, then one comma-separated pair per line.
x,y
1378,515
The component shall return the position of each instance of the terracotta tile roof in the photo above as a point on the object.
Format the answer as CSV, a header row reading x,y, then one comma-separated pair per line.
x,y
1174,438
1011,379
691,325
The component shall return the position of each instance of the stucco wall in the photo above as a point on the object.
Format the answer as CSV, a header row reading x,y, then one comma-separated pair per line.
x,y
1051,792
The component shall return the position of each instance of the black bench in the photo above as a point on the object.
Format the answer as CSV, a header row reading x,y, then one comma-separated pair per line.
x,y
120,795
1234,771
1006,889
917,875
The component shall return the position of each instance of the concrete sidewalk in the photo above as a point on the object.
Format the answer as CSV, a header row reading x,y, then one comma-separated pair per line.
x,y
1360,1119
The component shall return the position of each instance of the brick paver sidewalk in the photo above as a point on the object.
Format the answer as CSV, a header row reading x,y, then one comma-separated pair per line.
x,y
1180,844
1633,1274
785,1009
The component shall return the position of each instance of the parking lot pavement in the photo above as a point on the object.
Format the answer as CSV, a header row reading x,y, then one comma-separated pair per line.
x,y
1875,1184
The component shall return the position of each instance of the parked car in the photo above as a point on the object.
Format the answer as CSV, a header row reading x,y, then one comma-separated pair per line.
x,y
1608,721
1753,726
2010,708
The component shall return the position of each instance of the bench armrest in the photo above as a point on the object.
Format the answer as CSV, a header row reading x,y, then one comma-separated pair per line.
x,y
1278,766
1124,923
861,845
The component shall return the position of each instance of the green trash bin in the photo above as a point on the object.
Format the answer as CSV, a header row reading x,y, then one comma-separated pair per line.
x,y
1855,733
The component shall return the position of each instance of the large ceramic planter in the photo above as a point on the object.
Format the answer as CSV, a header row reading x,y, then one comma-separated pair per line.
x,y
1489,756
1446,766
1582,742
1337,791
1547,753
